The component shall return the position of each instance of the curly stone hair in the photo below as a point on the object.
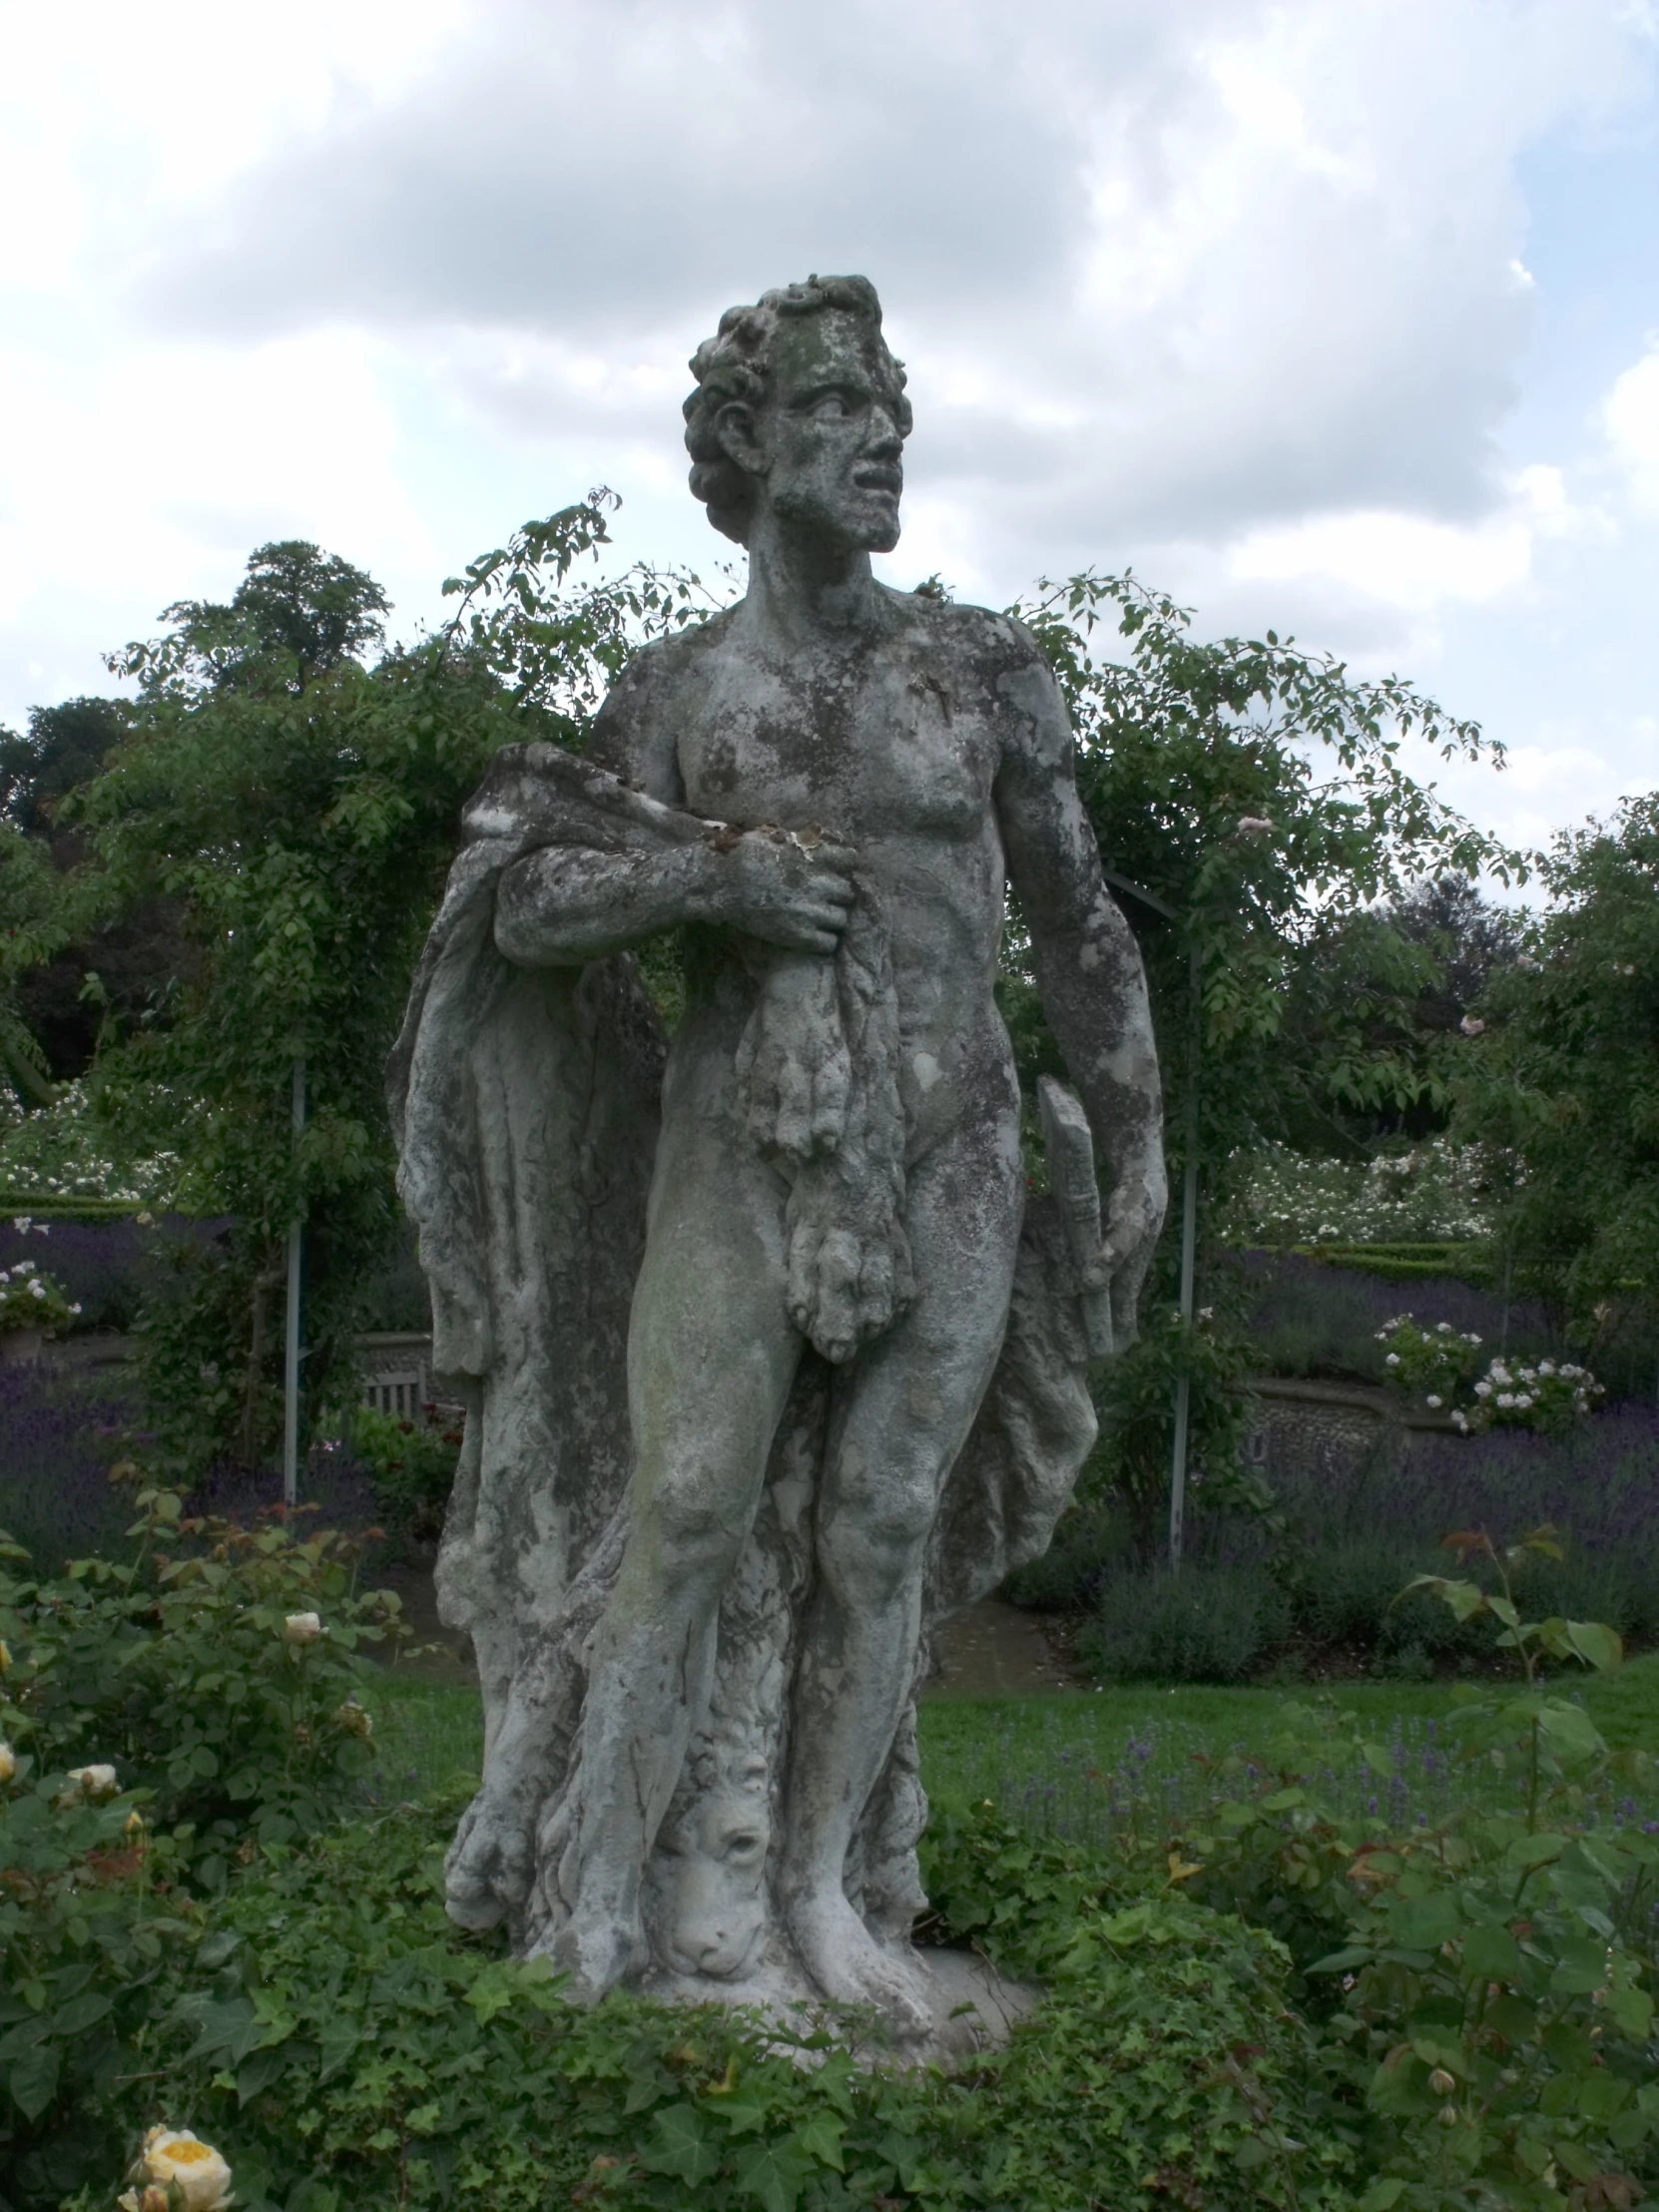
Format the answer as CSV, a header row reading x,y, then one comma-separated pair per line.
x,y
735,365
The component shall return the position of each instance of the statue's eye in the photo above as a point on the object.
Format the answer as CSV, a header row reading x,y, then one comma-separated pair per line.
x,y
744,1845
833,406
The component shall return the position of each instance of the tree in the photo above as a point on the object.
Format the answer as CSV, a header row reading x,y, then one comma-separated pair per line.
x,y
1249,805
299,810
297,613
65,746
1566,1078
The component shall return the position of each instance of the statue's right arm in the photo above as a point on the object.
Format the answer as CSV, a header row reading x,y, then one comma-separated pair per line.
x,y
563,904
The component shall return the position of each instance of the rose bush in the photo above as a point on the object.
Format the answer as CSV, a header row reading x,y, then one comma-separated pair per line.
x,y
1440,1369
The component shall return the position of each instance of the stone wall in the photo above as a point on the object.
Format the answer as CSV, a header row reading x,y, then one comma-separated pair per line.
x,y
1307,1430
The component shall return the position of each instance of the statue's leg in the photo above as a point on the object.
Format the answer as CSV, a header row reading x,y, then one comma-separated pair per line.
x,y
902,1414
710,1357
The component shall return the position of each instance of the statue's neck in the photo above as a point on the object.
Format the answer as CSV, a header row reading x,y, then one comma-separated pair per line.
x,y
804,590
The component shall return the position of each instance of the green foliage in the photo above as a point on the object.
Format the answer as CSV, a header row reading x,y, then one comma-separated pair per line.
x,y
65,746
296,810
161,1720
32,929
336,2036
1483,1982
1566,1076
1205,1624
1258,791
91,1921
412,1469
217,1669
1132,1458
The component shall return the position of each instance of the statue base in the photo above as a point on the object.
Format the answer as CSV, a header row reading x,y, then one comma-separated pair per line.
x,y
972,2010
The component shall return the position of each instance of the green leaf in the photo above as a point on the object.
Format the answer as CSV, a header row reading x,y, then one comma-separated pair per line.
x,y
680,2144
1381,2194
774,2177
821,2140
1597,1644
1424,1924
1491,1953
33,2078
75,2017
1571,1732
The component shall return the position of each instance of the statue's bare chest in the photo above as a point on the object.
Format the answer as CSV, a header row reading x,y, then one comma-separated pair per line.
x,y
883,748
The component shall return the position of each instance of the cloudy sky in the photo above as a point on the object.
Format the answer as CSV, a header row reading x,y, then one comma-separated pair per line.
x,y
1341,315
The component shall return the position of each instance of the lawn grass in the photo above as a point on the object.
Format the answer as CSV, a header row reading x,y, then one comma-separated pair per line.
x,y
1065,1759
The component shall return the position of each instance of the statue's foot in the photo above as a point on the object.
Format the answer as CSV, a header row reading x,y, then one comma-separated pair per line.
x,y
594,1953
851,1967
489,1867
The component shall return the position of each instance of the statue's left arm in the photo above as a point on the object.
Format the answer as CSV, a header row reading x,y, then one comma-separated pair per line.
x,y
1088,969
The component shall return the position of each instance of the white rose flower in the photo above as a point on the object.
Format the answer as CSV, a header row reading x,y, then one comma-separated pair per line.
x,y
178,2155
1393,1361
1546,1366
1523,1398
1460,1420
1506,1397
1435,1401
1483,1390
302,1628
95,1782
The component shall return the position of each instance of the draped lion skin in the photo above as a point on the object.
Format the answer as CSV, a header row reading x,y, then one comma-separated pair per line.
x,y
770,1357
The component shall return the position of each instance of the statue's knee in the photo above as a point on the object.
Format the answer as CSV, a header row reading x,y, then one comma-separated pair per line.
x,y
873,1543
689,1531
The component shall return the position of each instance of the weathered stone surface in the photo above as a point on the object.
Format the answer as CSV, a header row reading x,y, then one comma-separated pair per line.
x,y
769,1361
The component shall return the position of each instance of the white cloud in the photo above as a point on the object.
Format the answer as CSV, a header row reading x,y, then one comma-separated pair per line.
x,y
1235,290
1630,418
1410,562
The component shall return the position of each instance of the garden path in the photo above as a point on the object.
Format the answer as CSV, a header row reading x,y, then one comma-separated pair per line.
x,y
991,1649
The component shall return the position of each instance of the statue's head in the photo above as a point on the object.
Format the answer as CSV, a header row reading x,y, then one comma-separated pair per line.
x,y
798,403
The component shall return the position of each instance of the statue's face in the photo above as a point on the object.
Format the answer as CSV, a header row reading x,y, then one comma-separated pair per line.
x,y
829,433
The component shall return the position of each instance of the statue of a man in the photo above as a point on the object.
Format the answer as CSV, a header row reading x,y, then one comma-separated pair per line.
x,y
838,1177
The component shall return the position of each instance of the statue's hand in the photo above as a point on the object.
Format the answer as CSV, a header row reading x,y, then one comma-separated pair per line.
x,y
1134,1221
788,889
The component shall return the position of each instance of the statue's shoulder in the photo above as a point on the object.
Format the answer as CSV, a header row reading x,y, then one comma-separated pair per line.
x,y
647,706
668,662
982,644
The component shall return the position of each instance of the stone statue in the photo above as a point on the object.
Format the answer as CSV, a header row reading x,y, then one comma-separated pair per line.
x,y
769,1357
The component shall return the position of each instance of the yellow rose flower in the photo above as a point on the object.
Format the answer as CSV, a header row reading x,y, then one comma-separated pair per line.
x,y
175,2154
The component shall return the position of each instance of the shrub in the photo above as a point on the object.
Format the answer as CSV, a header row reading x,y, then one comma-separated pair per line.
x,y
412,1469
91,1921
346,2047
1206,1624
1442,1368
1480,1984
217,1669
30,1300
